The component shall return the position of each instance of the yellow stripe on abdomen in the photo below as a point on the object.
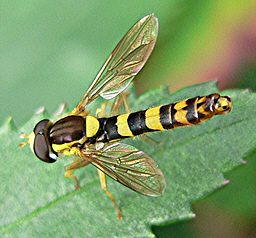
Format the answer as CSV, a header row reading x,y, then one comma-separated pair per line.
x,y
123,128
152,116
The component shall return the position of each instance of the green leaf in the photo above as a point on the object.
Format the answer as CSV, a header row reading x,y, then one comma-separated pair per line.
x,y
37,201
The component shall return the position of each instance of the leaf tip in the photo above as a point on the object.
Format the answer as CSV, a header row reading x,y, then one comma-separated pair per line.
x,y
8,126
226,182
63,108
40,110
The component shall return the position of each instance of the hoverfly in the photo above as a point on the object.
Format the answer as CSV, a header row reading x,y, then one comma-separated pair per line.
x,y
95,139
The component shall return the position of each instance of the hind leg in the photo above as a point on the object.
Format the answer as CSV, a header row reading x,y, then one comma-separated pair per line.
x,y
104,187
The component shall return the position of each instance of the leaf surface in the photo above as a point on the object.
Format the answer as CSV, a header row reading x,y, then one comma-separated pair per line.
x,y
37,201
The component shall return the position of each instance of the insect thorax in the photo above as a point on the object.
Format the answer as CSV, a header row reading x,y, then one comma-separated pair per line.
x,y
72,131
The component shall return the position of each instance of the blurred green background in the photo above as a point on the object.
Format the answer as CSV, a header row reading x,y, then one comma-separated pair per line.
x,y
52,50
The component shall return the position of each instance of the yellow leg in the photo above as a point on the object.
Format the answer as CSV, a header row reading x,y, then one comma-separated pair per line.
x,y
101,112
120,101
77,163
69,174
151,141
126,104
104,187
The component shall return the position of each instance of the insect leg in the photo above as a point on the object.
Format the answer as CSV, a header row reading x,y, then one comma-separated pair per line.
x,y
124,96
104,187
77,163
144,137
101,112
121,100
150,141
115,107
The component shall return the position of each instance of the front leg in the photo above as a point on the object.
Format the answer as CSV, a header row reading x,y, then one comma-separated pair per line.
x,y
76,164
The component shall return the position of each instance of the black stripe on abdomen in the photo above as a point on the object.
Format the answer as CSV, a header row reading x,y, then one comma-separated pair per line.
x,y
110,128
165,116
191,108
136,122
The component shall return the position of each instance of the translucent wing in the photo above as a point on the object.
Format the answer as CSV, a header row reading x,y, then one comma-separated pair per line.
x,y
129,166
124,62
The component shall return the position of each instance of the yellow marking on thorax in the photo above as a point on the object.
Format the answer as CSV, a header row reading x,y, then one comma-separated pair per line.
x,y
123,128
153,119
65,148
68,148
92,126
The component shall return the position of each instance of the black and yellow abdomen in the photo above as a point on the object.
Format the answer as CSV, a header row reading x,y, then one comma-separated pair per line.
x,y
76,131
184,113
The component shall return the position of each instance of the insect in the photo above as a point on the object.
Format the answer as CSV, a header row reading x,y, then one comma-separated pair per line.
x,y
96,139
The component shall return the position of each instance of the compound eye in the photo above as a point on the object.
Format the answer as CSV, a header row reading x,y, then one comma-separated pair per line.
x,y
41,144
41,126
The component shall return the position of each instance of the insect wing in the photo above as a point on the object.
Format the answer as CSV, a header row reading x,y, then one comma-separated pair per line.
x,y
124,62
131,167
